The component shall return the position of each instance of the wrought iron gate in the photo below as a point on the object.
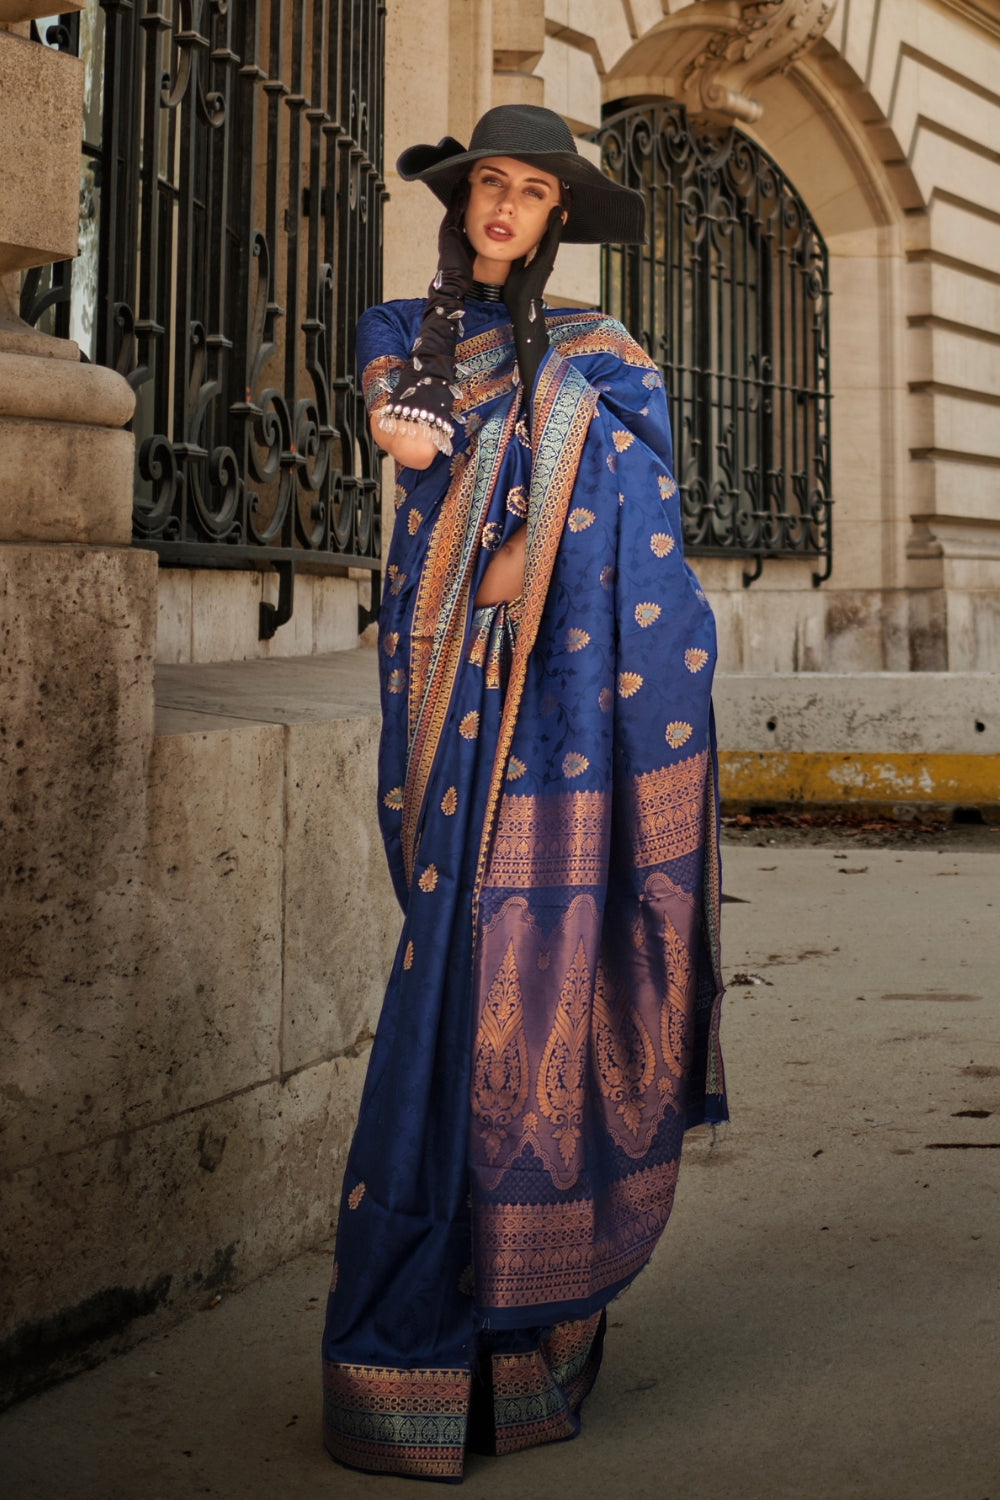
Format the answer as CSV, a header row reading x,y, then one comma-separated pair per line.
x,y
231,234
730,297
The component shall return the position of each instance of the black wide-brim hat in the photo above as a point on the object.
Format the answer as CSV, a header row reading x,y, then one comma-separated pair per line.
x,y
602,212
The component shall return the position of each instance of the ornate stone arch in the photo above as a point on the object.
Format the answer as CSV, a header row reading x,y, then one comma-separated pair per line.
x,y
813,115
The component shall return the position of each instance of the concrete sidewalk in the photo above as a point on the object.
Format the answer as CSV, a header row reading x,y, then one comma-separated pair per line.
x,y
822,1319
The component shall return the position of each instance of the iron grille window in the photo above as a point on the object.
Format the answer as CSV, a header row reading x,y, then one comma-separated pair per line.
x,y
730,297
231,235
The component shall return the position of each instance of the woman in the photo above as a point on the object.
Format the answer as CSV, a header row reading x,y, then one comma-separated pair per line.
x,y
547,799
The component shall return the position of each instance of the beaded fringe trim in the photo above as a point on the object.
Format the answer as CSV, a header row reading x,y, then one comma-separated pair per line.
x,y
406,427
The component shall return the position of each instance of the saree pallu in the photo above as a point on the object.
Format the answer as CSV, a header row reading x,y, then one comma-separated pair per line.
x,y
547,799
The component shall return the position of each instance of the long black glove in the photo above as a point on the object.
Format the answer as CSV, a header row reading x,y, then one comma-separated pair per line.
x,y
422,402
522,292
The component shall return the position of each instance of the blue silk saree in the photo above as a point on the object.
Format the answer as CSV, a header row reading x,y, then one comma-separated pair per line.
x,y
548,802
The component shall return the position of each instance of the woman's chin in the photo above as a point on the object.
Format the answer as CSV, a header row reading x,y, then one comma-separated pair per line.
x,y
503,252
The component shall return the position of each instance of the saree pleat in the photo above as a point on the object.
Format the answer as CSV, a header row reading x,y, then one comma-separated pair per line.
x,y
547,798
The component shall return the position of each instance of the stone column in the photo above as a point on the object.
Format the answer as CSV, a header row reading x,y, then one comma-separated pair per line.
x,y
65,462
518,44
77,618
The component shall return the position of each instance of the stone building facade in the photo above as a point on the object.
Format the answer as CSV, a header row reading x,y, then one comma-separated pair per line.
x,y
196,919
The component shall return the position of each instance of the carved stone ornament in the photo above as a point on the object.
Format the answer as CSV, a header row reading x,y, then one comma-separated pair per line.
x,y
746,43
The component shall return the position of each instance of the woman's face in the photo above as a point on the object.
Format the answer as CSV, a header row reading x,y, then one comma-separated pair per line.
x,y
509,206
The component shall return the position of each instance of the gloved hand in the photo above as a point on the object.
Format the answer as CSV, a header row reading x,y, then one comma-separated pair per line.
x,y
522,292
455,253
422,402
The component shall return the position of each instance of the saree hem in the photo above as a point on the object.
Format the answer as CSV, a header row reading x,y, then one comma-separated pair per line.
x,y
420,1423
329,1443
537,1395
394,1421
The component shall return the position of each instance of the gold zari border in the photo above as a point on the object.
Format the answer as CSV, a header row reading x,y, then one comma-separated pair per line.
x,y
396,1421
375,380
555,460
558,840
533,1254
668,808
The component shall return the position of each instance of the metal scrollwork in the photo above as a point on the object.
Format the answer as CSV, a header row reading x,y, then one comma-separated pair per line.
x,y
235,153
157,465
730,297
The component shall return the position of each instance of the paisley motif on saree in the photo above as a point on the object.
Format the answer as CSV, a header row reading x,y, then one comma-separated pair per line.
x,y
547,799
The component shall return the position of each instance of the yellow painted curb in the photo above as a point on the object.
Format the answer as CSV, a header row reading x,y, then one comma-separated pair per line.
x,y
856,776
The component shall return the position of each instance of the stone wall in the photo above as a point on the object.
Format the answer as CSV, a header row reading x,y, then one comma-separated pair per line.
x,y
209,614
197,941
900,742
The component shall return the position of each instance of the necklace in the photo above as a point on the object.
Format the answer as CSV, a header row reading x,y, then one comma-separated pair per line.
x,y
484,291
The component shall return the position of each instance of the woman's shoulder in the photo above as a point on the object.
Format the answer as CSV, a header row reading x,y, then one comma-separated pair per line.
x,y
398,313
578,332
388,328
398,307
